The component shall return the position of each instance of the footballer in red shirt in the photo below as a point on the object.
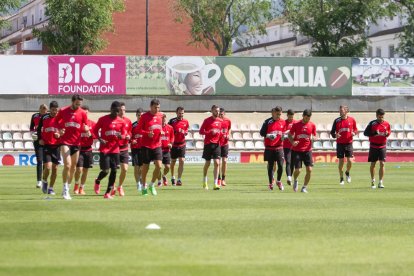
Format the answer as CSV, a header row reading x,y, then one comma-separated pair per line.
x,y
167,140
72,122
150,127
344,129
301,136
224,146
85,161
136,144
123,148
34,123
378,131
273,130
109,130
287,146
211,129
180,126
48,135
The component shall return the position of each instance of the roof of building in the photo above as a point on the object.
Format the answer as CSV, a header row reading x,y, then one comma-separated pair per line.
x,y
262,45
388,31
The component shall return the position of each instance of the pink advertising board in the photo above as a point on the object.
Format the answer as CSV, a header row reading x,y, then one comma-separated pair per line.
x,y
97,75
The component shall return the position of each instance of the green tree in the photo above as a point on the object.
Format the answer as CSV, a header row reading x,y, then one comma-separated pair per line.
x,y
218,22
6,7
336,27
406,47
76,26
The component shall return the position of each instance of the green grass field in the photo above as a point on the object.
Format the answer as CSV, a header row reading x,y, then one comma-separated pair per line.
x,y
243,229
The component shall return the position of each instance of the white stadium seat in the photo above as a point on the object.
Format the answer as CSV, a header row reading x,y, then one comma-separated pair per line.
x,y
365,145
28,145
199,145
189,145
239,145
357,145
256,136
8,145
18,145
17,136
247,136
237,136
7,136
249,145
25,127
27,136
259,145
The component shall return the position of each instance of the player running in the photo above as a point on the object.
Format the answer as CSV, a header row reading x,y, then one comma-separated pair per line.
x,y
301,136
109,130
273,130
123,151
150,127
211,128
167,140
287,146
85,161
73,120
378,131
180,126
34,123
224,146
136,144
48,135
344,129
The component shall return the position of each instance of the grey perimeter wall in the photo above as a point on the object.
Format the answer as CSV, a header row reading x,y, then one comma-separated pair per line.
x,y
26,103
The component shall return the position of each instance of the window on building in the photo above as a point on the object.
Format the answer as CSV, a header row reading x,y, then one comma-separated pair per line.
x,y
33,22
40,15
378,52
391,51
370,51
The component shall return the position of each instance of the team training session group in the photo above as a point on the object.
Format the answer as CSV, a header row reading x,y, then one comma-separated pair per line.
x,y
66,133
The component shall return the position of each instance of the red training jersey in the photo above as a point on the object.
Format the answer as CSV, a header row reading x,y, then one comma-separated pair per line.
x,y
123,143
303,133
275,127
150,123
378,133
225,131
73,121
211,128
109,129
136,138
289,124
47,128
86,139
167,137
180,131
342,130
34,121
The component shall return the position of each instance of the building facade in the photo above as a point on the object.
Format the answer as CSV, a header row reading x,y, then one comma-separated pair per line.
x,y
165,36
281,41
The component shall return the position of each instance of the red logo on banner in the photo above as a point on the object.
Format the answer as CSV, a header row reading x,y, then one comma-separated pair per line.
x,y
87,75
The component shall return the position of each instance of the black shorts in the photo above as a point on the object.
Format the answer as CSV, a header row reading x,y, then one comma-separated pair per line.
x,y
166,158
302,156
149,155
273,155
51,154
344,150
287,153
178,152
124,157
72,149
109,161
211,151
85,160
136,157
376,154
224,151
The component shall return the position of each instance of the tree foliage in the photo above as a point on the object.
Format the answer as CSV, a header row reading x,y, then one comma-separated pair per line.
x,y
406,47
76,26
218,22
336,27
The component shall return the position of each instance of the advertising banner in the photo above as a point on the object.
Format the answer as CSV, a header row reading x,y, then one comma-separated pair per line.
x,y
238,76
383,76
330,157
98,75
23,74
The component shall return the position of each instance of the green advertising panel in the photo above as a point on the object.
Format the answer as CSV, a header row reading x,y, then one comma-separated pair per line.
x,y
284,76
185,75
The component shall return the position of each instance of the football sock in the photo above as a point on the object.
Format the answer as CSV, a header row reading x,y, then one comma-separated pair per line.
x,y
223,177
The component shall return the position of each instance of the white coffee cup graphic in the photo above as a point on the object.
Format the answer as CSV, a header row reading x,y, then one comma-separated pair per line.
x,y
190,76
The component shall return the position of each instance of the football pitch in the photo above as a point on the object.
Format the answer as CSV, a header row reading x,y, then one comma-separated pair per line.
x,y
243,229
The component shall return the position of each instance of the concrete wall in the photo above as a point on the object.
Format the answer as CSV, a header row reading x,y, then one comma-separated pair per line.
x,y
27,103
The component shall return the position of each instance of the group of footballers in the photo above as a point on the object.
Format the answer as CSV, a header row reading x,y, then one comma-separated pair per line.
x,y
290,141
67,133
